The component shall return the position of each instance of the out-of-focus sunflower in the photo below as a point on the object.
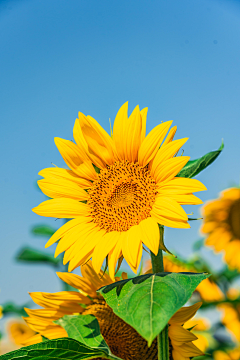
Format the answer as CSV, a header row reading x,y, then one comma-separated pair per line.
x,y
122,339
118,207
233,354
231,319
19,332
222,225
207,289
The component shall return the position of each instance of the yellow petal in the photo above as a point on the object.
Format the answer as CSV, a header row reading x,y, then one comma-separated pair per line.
x,y
132,247
113,257
184,314
98,144
170,136
188,199
151,143
189,350
81,251
61,208
66,228
120,129
170,168
59,173
35,339
166,152
168,208
179,335
97,279
59,188
143,113
180,185
150,234
76,159
102,249
73,235
77,282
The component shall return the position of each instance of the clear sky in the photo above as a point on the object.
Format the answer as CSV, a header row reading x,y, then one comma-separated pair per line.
x,y
58,57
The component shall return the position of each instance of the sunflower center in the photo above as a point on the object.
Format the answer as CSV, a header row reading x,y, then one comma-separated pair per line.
x,y
234,218
122,196
121,338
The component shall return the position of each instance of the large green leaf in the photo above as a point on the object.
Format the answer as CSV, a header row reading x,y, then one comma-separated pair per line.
x,y
61,349
194,167
43,230
28,254
147,302
85,328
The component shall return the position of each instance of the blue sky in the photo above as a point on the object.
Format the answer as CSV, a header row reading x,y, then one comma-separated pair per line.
x,y
58,57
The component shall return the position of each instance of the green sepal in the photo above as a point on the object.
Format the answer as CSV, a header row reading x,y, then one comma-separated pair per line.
x,y
151,299
28,254
194,167
43,230
61,349
85,329
162,246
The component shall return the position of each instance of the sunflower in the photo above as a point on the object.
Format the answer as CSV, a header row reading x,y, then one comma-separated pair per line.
x,y
117,191
207,289
122,339
19,332
222,225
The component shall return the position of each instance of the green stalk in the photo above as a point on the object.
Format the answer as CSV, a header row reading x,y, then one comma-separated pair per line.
x,y
157,266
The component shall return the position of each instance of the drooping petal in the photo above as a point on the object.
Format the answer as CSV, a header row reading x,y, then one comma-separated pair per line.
x,y
59,173
185,314
150,234
179,335
77,282
103,248
189,350
168,169
62,208
151,143
59,188
76,159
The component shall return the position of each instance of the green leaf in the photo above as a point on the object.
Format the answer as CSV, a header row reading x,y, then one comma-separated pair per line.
x,y
85,328
28,254
43,230
194,167
147,302
61,349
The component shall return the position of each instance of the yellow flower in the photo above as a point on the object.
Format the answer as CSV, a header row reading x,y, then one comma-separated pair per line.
x,y
116,210
19,332
1,311
231,319
207,289
222,225
122,339
228,355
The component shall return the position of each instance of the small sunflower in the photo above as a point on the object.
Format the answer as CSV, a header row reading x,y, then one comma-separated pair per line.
x,y
208,290
117,191
19,332
222,225
121,338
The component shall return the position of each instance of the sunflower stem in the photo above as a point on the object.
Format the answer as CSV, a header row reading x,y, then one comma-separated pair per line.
x,y
157,266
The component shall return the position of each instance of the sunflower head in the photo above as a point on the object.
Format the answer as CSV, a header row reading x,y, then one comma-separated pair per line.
x,y
117,190
221,224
